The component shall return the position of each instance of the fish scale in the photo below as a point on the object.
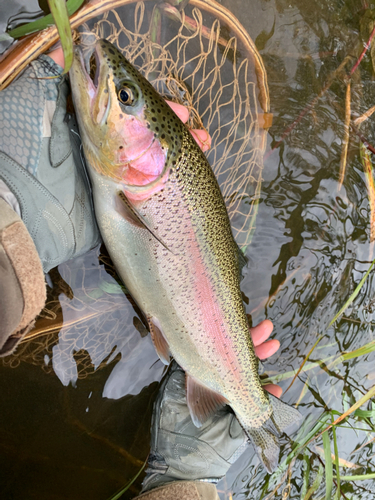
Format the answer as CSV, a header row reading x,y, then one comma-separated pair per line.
x,y
169,236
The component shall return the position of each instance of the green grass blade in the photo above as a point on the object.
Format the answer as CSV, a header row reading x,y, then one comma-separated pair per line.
x,y
306,474
362,477
353,295
303,439
361,351
364,413
328,465
316,483
127,486
46,21
337,465
303,363
369,394
60,15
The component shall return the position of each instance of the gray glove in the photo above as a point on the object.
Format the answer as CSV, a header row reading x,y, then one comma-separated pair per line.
x,y
181,451
42,175
46,212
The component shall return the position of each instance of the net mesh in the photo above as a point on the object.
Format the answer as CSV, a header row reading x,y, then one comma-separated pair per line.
x,y
190,61
190,57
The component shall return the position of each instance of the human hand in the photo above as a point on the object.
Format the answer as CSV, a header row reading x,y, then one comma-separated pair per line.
x,y
180,450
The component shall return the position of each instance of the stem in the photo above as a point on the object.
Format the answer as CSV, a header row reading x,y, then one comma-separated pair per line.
x,y
367,45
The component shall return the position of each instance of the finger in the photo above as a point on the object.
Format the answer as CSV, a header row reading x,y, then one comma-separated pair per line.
x,y
267,349
181,111
202,138
57,55
261,332
273,389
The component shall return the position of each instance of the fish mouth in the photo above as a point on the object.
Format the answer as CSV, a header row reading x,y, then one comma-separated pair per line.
x,y
94,68
90,65
95,73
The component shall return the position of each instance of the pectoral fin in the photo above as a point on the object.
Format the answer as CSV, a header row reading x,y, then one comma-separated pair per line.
x,y
129,213
202,402
160,343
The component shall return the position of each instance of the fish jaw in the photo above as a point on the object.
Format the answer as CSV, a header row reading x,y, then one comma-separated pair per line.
x,y
117,144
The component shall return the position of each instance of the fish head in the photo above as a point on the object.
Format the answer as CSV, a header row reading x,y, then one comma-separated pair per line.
x,y
125,125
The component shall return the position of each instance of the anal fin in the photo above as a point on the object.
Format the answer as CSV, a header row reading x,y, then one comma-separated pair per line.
x,y
160,343
202,401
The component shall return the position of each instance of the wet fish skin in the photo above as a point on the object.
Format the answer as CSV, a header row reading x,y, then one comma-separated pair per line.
x,y
164,222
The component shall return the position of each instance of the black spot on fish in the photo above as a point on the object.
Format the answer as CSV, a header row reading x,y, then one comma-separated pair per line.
x,y
111,51
121,147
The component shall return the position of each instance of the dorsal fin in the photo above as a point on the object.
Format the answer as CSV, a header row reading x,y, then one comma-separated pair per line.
x,y
160,343
129,213
202,402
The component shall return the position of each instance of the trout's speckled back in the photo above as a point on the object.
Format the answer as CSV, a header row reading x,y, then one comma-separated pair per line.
x,y
165,225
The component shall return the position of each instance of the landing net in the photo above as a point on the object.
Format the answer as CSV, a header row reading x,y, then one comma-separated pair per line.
x,y
199,56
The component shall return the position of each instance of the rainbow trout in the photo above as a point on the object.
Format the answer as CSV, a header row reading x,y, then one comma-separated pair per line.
x,y
164,222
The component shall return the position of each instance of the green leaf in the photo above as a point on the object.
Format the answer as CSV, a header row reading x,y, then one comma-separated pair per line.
x,y
328,465
362,477
353,295
61,18
337,465
40,24
304,362
364,413
306,474
127,486
316,483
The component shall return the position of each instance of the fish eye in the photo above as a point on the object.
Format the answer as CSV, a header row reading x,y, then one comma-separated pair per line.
x,y
126,96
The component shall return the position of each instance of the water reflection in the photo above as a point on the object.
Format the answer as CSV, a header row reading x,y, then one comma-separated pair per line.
x,y
102,320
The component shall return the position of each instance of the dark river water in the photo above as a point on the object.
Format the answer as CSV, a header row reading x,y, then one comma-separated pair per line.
x,y
77,396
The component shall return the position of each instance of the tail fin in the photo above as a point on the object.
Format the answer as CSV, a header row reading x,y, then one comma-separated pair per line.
x,y
266,438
